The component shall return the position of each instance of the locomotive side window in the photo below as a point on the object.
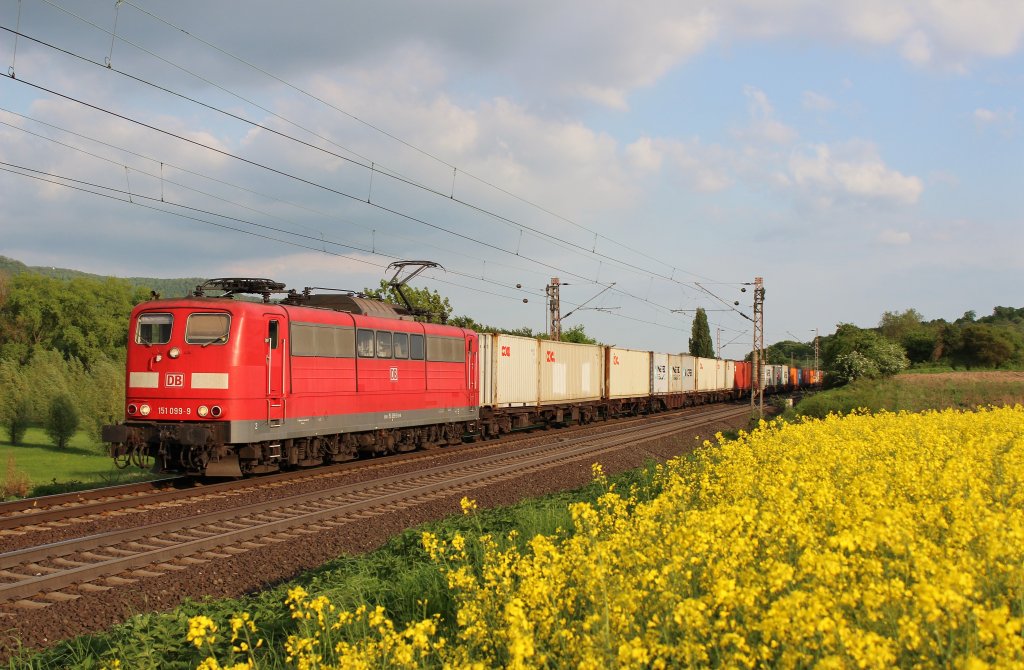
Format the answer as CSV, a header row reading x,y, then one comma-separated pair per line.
x,y
446,349
207,329
154,329
416,347
311,339
272,334
364,343
401,345
383,344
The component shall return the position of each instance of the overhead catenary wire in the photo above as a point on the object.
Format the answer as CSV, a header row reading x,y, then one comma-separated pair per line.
x,y
335,191
135,200
373,165
479,209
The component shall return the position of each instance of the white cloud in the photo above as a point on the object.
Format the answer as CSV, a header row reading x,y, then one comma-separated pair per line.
x,y
817,102
852,171
763,126
1004,119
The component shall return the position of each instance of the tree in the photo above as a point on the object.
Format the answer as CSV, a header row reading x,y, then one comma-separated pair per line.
x,y
985,345
576,334
896,326
435,307
62,420
852,352
700,336
18,420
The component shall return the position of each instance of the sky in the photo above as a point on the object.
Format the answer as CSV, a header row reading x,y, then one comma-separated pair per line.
x,y
861,156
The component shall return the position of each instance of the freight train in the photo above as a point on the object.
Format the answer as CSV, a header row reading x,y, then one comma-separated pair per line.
x,y
226,387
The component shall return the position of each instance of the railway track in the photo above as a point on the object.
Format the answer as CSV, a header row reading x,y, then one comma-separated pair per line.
x,y
34,577
43,514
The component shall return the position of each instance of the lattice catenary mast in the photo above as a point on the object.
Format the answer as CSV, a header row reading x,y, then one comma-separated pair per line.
x,y
757,368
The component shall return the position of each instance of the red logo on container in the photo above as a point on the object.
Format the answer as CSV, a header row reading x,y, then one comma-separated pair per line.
x,y
551,357
506,351
615,360
174,380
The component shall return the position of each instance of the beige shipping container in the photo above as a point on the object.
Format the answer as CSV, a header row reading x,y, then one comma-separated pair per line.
x,y
570,372
513,371
676,374
707,374
730,374
689,364
661,376
629,373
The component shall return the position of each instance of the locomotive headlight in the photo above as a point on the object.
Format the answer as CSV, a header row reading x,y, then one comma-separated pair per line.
x,y
203,410
174,352
132,409
144,409
216,411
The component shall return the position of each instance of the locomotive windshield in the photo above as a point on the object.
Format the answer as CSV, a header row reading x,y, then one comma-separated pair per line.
x,y
154,329
206,329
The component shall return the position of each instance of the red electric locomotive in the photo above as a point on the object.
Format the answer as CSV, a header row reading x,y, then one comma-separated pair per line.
x,y
221,386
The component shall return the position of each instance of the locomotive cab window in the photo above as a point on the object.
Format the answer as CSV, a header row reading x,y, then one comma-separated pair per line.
x,y
272,334
154,329
364,343
207,329
416,347
383,344
401,349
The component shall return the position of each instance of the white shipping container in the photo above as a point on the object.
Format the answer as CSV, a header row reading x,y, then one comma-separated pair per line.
x,y
629,373
730,374
676,373
707,374
660,374
689,370
570,372
719,374
514,371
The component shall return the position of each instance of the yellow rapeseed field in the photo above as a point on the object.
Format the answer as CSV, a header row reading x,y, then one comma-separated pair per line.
x,y
856,542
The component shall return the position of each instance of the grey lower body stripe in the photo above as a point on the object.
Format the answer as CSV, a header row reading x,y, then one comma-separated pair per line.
x,y
310,426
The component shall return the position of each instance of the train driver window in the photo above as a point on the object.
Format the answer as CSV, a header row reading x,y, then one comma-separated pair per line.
x,y
364,343
416,347
272,334
401,349
383,344
154,329
207,329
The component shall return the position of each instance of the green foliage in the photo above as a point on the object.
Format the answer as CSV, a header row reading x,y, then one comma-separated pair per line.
x,y
429,305
18,421
80,318
700,336
62,420
168,288
854,353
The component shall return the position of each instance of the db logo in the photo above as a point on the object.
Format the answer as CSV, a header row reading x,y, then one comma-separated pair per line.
x,y
394,374
506,352
174,380
551,357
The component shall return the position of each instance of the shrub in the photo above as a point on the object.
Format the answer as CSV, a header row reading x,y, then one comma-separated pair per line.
x,y
62,420
19,420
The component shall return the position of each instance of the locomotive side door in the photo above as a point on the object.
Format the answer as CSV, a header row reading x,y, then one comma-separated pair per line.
x,y
275,343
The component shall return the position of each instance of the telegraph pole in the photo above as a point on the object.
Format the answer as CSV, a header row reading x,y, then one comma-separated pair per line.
x,y
554,310
757,368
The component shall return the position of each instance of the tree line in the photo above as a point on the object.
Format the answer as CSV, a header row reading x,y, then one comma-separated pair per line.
x,y
62,346
905,339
